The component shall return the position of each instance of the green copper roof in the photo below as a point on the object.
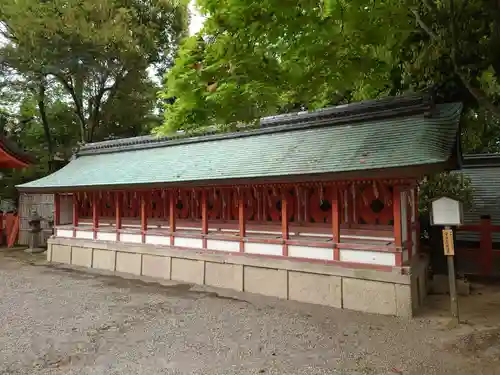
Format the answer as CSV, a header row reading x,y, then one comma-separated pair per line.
x,y
325,143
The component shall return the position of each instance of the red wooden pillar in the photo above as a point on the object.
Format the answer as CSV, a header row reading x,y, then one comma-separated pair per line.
x,y
259,200
284,223
242,221
486,245
336,222
307,214
204,217
417,220
144,216
57,209
409,226
172,217
396,209
75,213
165,200
95,214
353,194
118,214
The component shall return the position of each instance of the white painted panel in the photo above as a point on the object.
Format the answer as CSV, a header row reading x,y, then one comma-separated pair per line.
x,y
195,243
64,233
86,234
277,233
310,252
233,246
158,240
326,235
106,236
350,236
230,230
368,257
263,248
130,237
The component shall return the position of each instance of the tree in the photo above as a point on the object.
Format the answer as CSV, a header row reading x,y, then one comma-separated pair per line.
x,y
95,53
259,58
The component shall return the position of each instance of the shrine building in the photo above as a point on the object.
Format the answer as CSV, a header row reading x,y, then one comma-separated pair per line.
x,y
11,155
317,207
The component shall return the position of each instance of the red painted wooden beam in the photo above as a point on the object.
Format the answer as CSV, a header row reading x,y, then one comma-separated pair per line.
x,y
95,214
57,209
284,223
409,230
204,217
144,216
75,213
396,209
336,221
242,221
118,213
172,216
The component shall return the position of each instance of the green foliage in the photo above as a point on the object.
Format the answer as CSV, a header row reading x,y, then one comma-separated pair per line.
x,y
95,53
260,58
453,185
275,56
74,71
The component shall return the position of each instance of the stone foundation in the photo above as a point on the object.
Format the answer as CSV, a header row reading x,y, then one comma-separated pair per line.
x,y
367,290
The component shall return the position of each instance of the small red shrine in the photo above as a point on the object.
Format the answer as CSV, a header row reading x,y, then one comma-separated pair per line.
x,y
317,206
11,156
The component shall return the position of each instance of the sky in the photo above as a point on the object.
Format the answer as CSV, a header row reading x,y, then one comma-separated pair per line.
x,y
196,18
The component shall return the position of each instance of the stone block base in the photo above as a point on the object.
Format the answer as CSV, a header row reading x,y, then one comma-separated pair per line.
x,y
366,290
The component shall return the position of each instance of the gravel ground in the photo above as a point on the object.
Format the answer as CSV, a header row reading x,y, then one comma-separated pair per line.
x,y
56,321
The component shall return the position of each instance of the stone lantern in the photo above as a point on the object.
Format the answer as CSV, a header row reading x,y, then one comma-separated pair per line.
x,y
35,224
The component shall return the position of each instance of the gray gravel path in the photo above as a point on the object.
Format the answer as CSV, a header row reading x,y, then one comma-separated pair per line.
x,y
56,321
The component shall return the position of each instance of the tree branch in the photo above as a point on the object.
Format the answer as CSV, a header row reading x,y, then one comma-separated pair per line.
x,y
423,25
78,106
480,96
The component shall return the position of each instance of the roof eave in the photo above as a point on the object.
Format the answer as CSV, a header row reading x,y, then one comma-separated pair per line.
x,y
414,172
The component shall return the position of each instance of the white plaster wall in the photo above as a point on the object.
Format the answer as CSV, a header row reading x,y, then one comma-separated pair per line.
x,y
263,248
85,234
305,234
361,237
158,240
130,237
368,257
67,233
195,243
106,236
310,252
231,246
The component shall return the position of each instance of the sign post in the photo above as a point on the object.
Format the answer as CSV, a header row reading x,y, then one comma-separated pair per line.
x,y
448,212
449,251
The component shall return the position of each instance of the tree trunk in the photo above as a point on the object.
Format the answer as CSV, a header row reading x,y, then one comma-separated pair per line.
x,y
45,123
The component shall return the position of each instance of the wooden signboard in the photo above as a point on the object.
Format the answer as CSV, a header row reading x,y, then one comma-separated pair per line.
x,y
449,248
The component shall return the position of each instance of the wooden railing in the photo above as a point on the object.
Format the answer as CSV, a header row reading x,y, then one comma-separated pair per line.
x,y
484,256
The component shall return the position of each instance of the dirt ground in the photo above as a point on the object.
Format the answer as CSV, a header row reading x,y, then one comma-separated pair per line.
x,y
68,321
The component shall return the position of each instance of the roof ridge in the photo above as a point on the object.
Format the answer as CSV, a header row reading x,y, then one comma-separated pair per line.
x,y
337,115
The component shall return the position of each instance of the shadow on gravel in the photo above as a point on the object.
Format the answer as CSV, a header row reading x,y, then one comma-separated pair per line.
x,y
136,285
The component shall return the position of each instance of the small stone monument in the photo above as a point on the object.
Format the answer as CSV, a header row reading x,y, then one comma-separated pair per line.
x,y
35,233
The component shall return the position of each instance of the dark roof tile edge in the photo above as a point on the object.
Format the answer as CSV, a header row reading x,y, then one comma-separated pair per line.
x,y
345,112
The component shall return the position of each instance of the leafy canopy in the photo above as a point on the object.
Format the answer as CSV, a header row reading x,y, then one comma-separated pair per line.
x,y
257,58
92,50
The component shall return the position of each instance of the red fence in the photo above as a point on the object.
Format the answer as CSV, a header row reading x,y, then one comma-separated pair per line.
x,y
482,259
